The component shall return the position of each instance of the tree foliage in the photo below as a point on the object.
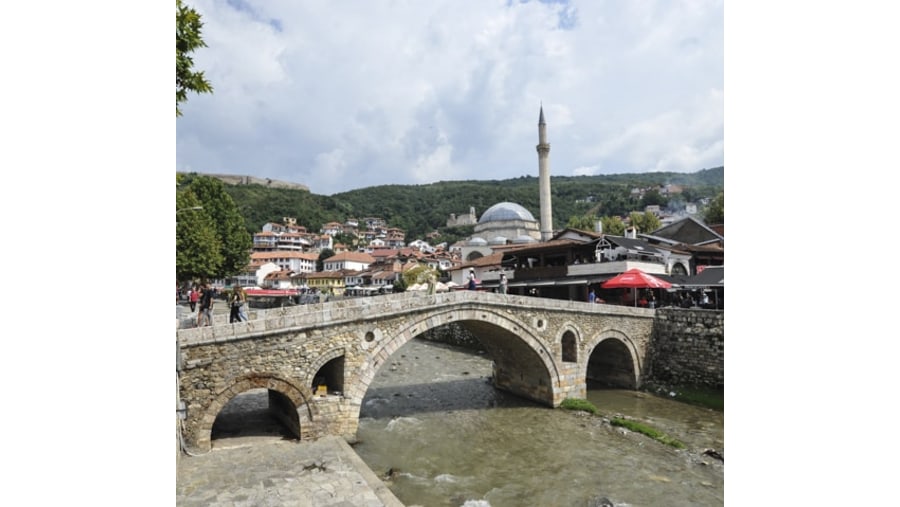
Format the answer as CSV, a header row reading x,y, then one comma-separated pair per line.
x,y
653,197
614,226
582,222
715,211
645,222
420,209
228,253
187,39
419,274
324,254
198,248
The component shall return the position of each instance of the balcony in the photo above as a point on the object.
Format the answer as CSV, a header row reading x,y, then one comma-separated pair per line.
x,y
588,269
613,268
541,273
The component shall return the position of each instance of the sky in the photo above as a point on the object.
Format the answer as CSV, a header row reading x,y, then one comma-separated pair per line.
x,y
345,95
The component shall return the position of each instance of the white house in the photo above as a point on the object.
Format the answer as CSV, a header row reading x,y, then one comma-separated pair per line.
x,y
298,262
356,261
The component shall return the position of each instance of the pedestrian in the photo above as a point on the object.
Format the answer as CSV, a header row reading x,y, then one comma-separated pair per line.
x,y
193,296
591,296
504,283
242,309
472,282
204,316
238,304
431,284
233,304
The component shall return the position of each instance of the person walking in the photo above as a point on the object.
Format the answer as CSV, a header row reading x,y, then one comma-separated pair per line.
x,y
204,316
238,305
193,296
431,284
504,283
472,282
234,304
592,297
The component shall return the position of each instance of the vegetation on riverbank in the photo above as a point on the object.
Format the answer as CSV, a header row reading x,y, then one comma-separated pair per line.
x,y
647,430
578,404
586,406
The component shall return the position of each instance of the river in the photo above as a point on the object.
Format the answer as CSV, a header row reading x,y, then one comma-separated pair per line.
x,y
433,426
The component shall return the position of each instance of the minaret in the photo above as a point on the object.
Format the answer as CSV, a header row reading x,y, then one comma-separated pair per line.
x,y
543,149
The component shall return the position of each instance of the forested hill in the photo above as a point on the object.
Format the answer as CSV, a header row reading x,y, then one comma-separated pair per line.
x,y
419,209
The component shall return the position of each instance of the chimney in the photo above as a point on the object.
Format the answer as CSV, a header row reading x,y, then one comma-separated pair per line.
x,y
598,226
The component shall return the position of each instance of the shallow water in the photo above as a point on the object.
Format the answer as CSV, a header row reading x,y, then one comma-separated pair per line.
x,y
435,428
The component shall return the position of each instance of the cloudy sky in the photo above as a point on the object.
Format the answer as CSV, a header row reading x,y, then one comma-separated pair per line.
x,y
349,94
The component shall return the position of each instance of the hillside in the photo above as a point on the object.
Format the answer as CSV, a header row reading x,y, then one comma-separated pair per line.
x,y
419,209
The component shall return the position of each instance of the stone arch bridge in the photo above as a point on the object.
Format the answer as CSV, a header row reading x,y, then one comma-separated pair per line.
x,y
317,361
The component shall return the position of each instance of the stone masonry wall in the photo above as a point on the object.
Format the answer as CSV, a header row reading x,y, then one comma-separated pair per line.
x,y
284,349
688,348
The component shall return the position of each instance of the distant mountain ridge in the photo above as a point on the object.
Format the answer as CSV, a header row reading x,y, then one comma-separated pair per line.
x,y
714,177
423,208
235,179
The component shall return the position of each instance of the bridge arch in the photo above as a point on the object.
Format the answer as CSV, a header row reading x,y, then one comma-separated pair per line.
x,y
614,354
292,404
569,339
511,345
329,370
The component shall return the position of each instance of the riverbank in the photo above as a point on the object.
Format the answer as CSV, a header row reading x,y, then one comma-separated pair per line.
x,y
269,471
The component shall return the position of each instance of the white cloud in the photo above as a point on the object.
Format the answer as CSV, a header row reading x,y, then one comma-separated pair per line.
x,y
411,92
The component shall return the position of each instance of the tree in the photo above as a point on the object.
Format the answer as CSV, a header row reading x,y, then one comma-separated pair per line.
x,y
418,274
325,253
198,253
715,211
583,222
645,222
652,197
399,285
187,39
232,242
614,226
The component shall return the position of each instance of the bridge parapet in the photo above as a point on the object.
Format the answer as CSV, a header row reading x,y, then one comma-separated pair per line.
x,y
367,308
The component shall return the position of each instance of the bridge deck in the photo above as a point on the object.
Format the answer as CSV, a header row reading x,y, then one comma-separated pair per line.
x,y
374,307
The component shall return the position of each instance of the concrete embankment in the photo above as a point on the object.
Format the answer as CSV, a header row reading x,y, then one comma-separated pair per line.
x,y
272,472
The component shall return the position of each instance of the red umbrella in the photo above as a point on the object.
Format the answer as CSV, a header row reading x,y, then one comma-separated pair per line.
x,y
635,279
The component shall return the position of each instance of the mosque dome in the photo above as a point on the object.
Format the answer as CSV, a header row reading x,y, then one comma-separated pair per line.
x,y
476,241
497,240
524,239
506,211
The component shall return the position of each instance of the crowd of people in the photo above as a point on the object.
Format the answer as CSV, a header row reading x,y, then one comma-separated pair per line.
x,y
473,282
647,298
201,298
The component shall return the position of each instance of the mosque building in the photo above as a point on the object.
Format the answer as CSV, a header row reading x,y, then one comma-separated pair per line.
x,y
509,223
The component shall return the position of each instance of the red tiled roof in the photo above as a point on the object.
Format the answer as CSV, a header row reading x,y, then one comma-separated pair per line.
x,y
351,257
282,254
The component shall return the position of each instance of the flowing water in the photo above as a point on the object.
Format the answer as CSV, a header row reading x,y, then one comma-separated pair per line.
x,y
434,428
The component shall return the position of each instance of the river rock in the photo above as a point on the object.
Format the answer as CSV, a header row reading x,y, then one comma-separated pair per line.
x,y
600,501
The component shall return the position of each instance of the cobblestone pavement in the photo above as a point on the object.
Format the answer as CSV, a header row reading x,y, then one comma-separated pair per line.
x,y
254,465
274,472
